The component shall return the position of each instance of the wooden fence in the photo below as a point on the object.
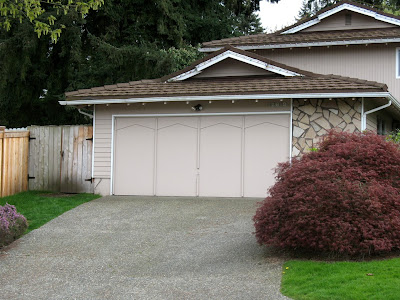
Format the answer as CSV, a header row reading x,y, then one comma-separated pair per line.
x,y
14,147
60,158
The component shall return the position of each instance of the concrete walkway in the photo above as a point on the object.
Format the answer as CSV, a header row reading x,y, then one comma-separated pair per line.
x,y
143,248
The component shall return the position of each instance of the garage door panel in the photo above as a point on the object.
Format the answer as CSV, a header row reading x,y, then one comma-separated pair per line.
x,y
220,159
265,146
176,160
172,121
235,121
134,158
222,156
277,120
124,123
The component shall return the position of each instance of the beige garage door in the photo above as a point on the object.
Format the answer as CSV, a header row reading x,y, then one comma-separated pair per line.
x,y
224,156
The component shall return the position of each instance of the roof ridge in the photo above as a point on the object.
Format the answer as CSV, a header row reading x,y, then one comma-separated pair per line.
x,y
334,6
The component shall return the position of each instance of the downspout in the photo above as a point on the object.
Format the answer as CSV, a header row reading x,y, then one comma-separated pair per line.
x,y
85,113
364,115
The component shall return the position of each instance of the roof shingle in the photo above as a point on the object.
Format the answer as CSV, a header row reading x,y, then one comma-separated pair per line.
x,y
231,86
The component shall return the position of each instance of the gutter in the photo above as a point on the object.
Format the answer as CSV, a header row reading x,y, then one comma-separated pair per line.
x,y
310,44
231,97
391,100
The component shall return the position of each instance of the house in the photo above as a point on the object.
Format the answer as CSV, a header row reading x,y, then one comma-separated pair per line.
x,y
219,126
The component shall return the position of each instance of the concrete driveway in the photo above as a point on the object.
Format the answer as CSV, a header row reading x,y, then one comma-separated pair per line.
x,y
143,248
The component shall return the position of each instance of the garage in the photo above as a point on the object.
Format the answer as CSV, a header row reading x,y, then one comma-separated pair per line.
x,y
214,155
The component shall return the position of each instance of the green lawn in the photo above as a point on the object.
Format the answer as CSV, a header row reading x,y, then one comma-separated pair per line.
x,y
40,209
342,280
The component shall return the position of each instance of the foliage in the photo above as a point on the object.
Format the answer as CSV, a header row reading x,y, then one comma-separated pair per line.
x,y
35,12
12,224
394,136
343,198
41,207
122,41
342,280
311,7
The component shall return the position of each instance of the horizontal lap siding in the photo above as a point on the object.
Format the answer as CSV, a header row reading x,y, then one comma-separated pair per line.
x,y
102,144
337,22
372,62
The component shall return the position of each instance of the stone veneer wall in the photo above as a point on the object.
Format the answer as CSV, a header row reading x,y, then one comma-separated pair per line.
x,y
312,118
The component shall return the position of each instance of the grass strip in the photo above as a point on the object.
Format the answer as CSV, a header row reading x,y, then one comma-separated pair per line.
x,y
41,207
370,280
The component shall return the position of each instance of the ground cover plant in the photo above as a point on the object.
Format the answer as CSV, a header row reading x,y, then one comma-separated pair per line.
x,y
41,207
342,199
379,279
12,224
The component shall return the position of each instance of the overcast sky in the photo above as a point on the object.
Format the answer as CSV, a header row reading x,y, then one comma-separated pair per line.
x,y
277,16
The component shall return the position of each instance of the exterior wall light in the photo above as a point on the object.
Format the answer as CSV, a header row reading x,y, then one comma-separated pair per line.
x,y
197,107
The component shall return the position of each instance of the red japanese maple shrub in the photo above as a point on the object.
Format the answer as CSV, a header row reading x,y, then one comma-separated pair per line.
x,y
343,198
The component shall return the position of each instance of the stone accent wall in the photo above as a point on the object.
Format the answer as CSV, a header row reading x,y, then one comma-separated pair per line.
x,y
312,118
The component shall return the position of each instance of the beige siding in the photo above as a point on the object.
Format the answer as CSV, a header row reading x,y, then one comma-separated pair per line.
x,y
372,62
337,22
372,121
103,121
232,67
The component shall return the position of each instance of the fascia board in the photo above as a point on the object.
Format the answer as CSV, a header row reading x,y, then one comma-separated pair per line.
x,y
237,56
311,44
345,6
230,97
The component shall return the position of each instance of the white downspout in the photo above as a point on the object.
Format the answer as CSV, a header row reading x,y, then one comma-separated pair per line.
x,y
364,115
85,113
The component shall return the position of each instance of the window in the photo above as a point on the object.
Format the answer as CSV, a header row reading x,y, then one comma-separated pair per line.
x,y
347,19
397,62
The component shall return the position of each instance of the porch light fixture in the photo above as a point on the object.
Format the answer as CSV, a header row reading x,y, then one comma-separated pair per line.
x,y
197,107
144,103
165,102
187,102
128,104
256,100
210,101
233,101
107,104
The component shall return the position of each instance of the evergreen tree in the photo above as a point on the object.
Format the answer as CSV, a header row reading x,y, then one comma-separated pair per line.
x,y
123,41
311,7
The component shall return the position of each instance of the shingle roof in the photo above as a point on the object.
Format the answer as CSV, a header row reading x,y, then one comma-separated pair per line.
x,y
307,37
229,86
277,38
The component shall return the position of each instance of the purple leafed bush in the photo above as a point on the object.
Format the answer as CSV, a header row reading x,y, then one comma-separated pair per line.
x,y
12,224
343,198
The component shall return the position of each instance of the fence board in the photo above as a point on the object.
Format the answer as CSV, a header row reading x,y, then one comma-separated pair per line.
x,y
61,158
57,158
1,157
13,162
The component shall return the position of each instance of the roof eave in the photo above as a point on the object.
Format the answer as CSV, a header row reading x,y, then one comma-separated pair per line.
x,y
350,94
307,44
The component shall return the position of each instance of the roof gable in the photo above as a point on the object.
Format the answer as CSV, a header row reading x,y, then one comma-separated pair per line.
x,y
238,55
338,8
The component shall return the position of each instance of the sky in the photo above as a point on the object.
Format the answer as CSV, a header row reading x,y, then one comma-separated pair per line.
x,y
278,15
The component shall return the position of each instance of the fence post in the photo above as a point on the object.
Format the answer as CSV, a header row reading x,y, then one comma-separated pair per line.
x,y
2,129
